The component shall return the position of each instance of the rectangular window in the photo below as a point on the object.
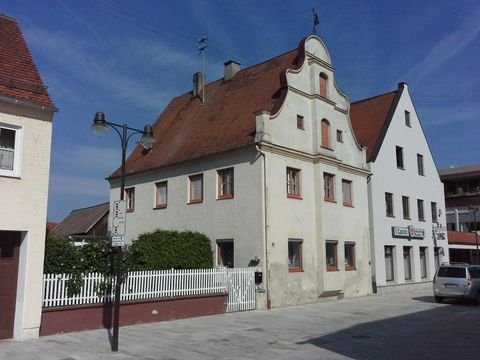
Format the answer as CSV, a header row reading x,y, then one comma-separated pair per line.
x,y
349,256
389,263
293,183
161,195
399,155
406,207
407,262
423,262
389,204
196,189
295,255
300,122
340,136
225,254
420,164
421,215
433,205
331,255
407,118
329,186
225,183
9,150
130,198
347,192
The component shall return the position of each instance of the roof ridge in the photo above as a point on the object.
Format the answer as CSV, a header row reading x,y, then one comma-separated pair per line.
x,y
92,206
373,97
5,16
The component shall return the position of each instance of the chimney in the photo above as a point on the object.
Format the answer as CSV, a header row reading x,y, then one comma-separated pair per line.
x,y
231,68
198,84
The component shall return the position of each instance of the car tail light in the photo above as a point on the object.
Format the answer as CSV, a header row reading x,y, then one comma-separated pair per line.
x,y
469,279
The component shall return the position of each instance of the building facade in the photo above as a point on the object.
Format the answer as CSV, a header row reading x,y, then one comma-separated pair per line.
x,y
26,113
407,209
268,167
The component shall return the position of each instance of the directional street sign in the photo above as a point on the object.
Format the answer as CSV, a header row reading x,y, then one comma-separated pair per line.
x,y
119,222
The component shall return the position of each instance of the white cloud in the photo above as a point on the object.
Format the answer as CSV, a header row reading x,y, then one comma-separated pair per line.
x,y
446,48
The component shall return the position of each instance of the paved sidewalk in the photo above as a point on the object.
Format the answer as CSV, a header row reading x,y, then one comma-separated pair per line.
x,y
400,326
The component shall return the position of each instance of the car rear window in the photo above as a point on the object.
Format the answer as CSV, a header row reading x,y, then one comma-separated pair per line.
x,y
451,272
474,272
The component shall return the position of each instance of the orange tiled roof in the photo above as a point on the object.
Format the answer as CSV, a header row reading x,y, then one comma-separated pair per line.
x,y
19,77
187,130
462,238
370,119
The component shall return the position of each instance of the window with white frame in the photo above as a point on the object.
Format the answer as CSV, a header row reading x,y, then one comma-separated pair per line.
x,y
161,195
406,207
421,170
407,119
421,213
389,263
196,189
9,150
130,198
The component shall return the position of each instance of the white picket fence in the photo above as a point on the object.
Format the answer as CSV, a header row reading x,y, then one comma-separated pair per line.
x,y
239,283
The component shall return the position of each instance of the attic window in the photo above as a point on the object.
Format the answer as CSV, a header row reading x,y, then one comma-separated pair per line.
x,y
407,118
300,123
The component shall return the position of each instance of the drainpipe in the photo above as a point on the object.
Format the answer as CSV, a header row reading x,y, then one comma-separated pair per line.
x,y
267,270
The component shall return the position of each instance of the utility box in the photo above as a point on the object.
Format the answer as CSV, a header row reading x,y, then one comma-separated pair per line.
x,y
258,277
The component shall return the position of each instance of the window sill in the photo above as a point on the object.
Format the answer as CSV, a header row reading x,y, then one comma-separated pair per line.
x,y
330,200
295,270
158,207
350,268
195,202
407,218
292,196
331,269
348,205
225,197
11,176
130,210
422,220
326,147
400,168
390,216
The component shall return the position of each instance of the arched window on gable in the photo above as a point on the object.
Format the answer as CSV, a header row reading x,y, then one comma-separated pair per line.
x,y
325,128
323,85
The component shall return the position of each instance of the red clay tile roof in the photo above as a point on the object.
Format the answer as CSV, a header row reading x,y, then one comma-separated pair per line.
x,y
462,238
188,130
80,221
370,119
19,77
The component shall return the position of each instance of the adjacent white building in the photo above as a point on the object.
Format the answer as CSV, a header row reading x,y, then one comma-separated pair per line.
x,y
26,113
269,168
407,207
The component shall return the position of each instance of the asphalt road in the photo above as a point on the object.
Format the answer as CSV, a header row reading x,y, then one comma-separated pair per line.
x,y
399,326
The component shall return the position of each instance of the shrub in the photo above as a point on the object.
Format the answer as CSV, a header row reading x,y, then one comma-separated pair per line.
x,y
167,249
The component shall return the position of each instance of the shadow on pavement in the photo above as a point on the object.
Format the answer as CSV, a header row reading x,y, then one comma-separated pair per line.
x,y
444,332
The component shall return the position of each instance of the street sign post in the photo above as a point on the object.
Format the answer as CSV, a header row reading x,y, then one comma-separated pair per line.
x,y
119,222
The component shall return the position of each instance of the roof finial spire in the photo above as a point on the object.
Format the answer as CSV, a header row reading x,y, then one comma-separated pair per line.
x,y
316,21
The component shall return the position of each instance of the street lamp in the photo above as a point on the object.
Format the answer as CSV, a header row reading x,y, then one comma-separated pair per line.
x,y
99,126
473,210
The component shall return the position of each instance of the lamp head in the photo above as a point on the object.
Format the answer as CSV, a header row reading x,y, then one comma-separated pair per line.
x,y
99,125
147,139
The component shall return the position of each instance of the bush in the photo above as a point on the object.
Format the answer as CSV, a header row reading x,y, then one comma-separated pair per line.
x,y
166,249
61,255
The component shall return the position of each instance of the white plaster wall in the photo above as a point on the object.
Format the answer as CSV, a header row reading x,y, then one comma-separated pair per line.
x,y
388,178
24,208
240,218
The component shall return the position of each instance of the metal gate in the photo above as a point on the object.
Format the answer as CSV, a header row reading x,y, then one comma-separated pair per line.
x,y
241,289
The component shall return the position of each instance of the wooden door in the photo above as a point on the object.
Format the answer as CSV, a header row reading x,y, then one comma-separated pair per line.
x,y
9,253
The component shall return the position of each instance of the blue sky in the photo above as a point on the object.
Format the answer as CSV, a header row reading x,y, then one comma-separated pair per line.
x,y
128,58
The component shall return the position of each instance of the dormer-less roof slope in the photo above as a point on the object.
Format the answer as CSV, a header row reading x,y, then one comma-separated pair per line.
x,y
188,129
370,120
80,221
19,77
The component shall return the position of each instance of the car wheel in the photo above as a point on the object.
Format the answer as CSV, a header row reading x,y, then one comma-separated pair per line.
x,y
438,299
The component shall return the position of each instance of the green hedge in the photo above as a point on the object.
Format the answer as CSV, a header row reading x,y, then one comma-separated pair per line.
x,y
167,249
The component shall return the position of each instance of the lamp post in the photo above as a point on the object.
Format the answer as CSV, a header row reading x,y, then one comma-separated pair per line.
x,y
473,210
99,126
